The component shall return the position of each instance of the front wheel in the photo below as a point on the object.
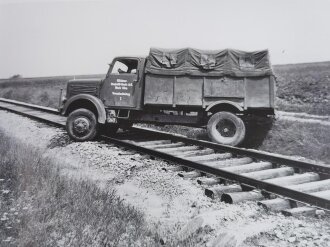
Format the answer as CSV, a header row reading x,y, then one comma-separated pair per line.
x,y
226,128
82,125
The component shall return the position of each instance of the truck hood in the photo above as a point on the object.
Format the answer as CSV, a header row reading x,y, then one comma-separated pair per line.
x,y
83,86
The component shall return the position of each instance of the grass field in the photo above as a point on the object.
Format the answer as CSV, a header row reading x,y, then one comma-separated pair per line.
x,y
300,87
304,87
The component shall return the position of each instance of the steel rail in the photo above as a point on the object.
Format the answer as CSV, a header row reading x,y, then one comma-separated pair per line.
x,y
261,185
37,118
36,107
258,184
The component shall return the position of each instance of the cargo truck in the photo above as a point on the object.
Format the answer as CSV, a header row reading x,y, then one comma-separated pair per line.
x,y
215,89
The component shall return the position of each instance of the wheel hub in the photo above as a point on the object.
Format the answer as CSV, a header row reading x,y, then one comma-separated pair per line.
x,y
81,125
226,128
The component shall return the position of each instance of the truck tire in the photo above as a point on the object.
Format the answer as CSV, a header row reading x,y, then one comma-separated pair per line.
x,y
226,128
82,125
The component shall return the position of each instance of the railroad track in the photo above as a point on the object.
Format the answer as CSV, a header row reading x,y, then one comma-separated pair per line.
x,y
230,174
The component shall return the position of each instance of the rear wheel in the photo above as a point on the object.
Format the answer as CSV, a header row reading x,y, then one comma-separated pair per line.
x,y
226,128
82,125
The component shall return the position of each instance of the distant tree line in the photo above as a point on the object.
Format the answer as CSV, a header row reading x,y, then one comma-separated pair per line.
x,y
17,76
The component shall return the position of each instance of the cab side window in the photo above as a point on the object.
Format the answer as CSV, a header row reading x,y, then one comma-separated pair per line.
x,y
119,68
125,66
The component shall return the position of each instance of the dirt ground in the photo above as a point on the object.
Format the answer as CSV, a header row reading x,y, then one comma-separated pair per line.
x,y
174,207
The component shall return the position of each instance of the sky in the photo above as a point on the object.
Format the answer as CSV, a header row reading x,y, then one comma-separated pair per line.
x,y
57,37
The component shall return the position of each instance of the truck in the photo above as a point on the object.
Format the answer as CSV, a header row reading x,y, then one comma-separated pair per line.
x,y
213,89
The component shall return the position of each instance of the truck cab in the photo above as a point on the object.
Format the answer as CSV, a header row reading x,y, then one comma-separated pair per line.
x,y
122,87
212,89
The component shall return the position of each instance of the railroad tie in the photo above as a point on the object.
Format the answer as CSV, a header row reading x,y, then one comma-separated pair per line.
x,y
176,149
276,204
170,145
312,186
295,179
252,167
270,173
236,197
173,168
229,162
192,153
211,157
191,174
208,181
146,143
304,210
218,190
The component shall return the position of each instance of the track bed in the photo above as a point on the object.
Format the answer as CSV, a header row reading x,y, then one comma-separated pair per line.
x,y
228,173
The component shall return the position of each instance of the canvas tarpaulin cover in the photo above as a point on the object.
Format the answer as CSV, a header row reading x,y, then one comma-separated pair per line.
x,y
208,63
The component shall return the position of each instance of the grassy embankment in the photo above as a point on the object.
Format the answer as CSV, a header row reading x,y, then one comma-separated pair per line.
x,y
40,207
303,87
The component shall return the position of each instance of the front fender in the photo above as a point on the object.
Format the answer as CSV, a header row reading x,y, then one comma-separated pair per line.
x,y
91,99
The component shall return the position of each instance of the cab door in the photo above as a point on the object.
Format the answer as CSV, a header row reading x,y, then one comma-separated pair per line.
x,y
119,88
